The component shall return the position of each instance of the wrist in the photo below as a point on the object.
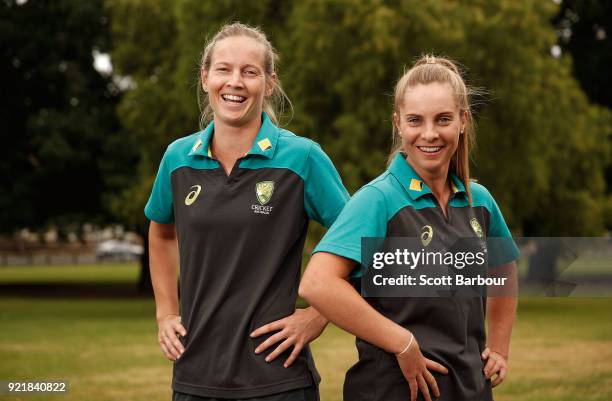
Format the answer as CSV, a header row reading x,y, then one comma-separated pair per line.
x,y
317,316
499,352
162,316
401,339
405,350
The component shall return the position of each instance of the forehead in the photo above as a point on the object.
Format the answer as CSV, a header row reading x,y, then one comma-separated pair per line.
x,y
238,50
429,98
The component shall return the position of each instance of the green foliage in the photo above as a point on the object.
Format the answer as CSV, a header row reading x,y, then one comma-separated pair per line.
x,y
58,116
542,147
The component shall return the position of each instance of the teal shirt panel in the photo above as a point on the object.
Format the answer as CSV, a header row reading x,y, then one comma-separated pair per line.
x,y
324,193
502,248
365,215
159,207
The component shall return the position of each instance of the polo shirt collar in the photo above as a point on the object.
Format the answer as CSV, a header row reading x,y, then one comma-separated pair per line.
x,y
264,144
266,139
413,183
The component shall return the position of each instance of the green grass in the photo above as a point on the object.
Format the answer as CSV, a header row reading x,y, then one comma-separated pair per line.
x,y
94,273
106,348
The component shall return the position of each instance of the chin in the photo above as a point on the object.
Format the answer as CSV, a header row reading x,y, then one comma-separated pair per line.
x,y
432,168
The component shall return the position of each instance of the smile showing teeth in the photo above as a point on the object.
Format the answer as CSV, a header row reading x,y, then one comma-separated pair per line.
x,y
429,149
233,98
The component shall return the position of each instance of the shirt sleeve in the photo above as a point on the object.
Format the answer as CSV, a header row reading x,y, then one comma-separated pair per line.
x,y
324,193
160,208
501,247
364,216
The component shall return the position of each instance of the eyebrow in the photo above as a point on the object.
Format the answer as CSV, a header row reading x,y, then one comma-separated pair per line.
x,y
220,63
252,66
411,114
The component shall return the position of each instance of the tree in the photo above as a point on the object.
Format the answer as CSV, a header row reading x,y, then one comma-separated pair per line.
x,y
584,29
58,114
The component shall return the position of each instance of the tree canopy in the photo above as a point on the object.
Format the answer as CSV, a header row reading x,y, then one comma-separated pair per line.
x,y
61,155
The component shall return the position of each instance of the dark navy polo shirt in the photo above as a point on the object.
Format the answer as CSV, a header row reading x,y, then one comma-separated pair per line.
x,y
240,240
449,330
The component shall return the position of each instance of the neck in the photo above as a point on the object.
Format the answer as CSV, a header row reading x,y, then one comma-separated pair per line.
x,y
234,141
436,181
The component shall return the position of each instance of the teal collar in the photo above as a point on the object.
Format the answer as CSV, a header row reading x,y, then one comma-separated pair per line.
x,y
264,144
412,182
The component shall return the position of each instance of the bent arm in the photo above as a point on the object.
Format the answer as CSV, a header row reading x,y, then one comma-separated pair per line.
x,y
325,286
501,312
163,260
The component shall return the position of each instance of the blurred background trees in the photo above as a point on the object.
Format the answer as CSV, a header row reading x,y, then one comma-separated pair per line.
x,y
62,155
544,127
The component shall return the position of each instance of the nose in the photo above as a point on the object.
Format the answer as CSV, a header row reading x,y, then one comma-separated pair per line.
x,y
235,80
429,133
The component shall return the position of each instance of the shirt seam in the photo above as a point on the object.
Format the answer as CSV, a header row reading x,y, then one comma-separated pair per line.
x,y
225,389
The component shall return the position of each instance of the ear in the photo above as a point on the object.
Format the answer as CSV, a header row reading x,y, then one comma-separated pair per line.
x,y
464,121
270,84
396,121
204,79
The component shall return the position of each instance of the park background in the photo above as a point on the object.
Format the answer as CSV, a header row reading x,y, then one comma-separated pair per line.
x,y
94,91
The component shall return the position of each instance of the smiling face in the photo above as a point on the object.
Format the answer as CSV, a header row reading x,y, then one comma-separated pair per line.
x,y
429,123
236,80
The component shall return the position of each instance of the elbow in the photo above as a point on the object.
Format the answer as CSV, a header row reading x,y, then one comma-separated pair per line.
x,y
308,288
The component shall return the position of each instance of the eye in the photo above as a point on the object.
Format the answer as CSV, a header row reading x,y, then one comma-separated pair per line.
x,y
413,120
251,72
445,120
222,69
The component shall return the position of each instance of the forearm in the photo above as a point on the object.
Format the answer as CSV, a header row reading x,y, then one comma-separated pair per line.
x,y
163,261
338,301
501,312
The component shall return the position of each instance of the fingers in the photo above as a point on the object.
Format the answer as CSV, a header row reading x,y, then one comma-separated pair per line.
x,y
501,376
165,351
173,345
294,354
270,341
413,388
180,329
485,354
267,328
279,350
169,327
431,381
432,365
423,387
172,336
490,367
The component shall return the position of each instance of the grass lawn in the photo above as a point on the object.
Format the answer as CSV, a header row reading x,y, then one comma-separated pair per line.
x,y
106,348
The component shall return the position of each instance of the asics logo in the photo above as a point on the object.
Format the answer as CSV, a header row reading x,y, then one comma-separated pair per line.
x,y
193,194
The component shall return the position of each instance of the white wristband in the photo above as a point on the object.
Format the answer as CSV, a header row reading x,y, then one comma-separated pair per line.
x,y
408,346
